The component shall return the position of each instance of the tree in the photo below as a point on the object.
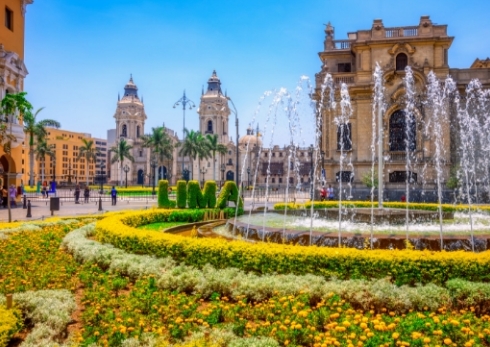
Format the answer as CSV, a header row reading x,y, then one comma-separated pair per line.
x,y
369,180
121,151
37,130
215,147
160,143
44,149
203,148
189,147
88,152
11,106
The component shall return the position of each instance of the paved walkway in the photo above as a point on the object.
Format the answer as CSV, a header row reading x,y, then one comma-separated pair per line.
x,y
40,208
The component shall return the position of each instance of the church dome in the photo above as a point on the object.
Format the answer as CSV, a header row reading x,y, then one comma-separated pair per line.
x,y
130,92
251,139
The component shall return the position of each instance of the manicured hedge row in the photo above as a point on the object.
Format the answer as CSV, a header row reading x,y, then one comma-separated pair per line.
x,y
404,267
163,201
367,204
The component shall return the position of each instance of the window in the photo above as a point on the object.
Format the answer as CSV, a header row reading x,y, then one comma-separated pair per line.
x,y
273,154
141,153
402,133
280,154
209,129
401,177
401,62
9,19
344,67
280,179
344,137
291,180
273,180
124,132
138,131
346,176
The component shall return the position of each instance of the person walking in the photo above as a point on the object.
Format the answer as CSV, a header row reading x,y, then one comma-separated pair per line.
x,y
86,194
114,196
77,194
13,194
323,194
330,192
5,197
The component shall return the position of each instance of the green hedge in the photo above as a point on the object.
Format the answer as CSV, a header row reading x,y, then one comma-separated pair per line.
x,y
163,201
229,192
193,191
181,194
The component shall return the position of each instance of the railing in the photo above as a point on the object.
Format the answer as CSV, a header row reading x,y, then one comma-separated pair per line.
x,y
342,44
401,32
344,79
69,196
278,194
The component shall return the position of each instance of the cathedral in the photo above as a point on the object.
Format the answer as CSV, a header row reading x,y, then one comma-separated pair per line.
x,y
130,119
352,61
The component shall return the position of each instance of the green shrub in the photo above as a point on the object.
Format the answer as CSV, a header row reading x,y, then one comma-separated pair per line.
x,y
229,192
181,194
208,195
193,191
163,201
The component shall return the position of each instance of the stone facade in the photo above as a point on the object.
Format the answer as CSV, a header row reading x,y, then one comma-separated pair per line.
x,y
423,47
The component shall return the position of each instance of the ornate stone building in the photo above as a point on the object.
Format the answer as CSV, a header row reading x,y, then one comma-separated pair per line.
x,y
130,118
12,74
424,47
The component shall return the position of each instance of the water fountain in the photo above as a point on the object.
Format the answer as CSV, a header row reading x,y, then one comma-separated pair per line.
x,y
351,223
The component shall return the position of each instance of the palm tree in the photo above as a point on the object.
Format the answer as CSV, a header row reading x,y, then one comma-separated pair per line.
x,y
215,147
9,106
88,152
44,149
36,129
159,142
194,146
121,151
203,149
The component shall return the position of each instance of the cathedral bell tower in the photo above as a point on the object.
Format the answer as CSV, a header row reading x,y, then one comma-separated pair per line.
x,y
214,111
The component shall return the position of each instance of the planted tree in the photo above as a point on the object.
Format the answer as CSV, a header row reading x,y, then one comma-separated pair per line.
x,y
44,149
215,147
88,152
121,151
36,130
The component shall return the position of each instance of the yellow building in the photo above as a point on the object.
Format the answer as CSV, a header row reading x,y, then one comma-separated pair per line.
x,y
64,166
12,74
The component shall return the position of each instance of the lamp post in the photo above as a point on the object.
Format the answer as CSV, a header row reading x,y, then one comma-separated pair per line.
x,y
153,164
101,178
236,125
203,172
310,152
185,102
248,181
69,171
222,174
126,169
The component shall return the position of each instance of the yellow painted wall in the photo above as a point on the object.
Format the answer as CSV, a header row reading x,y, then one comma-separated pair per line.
x,y
67,149
12,40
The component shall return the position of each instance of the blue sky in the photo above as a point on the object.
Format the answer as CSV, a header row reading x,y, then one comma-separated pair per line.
x,y
80,53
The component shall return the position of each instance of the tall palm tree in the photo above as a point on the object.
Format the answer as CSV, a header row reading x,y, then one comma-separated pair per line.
x,y
215,147
34,129
44,149
194,147
9,106
121,151
159,142
88,152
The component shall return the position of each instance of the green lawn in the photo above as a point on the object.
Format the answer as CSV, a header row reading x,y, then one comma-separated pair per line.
x,y
161,226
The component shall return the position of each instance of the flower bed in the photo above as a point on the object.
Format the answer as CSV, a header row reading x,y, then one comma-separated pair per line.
x,y
367,204
404,267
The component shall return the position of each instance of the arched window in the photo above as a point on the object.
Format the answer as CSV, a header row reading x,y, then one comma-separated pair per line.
x,y
138,131
124,132
401,62
402,133
344,137
209,129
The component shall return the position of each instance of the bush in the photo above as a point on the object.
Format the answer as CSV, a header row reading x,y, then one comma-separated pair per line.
x,y
229,192
163,201
10,323
181,194
209,195
193,191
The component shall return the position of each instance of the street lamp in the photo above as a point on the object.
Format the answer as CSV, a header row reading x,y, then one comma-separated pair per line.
x,y
248,182
185,102
101,178
69,171
126,169
153,164
310,151
222,173
203,171
236,124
